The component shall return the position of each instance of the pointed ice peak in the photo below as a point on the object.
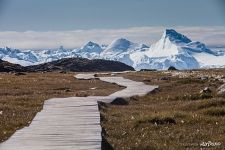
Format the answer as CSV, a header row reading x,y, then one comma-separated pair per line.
x,y
90,44
91,47
8,50
5,48
143,46
121,40
61,48
175,37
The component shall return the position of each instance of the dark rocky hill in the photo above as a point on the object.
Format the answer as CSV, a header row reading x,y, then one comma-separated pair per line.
x,y
81,65
9,67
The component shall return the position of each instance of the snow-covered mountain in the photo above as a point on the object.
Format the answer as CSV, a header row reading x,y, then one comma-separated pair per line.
x,y
121,50
169,51
173,49
90,50
120,46
16,56
56,54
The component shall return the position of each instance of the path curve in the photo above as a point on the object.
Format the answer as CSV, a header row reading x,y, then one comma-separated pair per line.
x,y
71,123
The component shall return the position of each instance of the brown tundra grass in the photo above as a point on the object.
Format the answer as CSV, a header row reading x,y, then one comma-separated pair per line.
x,y
21,97
176,116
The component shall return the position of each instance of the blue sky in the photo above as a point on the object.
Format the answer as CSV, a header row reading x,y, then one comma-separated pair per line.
x,y
45,15
36,24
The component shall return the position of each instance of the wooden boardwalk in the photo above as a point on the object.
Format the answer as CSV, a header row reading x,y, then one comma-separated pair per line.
x,y
70,123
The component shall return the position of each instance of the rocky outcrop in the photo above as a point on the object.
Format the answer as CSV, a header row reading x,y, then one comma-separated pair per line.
x,y
9,67
81,65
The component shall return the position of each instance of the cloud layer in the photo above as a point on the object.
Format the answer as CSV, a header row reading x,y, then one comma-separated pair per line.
x,y
72,39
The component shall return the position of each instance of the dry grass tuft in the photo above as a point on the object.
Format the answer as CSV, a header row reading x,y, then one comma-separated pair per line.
x,y
159,121
218,112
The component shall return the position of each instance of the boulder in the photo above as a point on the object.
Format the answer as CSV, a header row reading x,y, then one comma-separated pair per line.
x,y
221,89
165,78
172,68
203,78
63,72
120,101
19,74
206,90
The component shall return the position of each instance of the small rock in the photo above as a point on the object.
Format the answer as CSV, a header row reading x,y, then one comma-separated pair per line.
x,y
81,94
19,74
1,112
146,80
63,72
206,90
221,89
204,78
165,78
172,68
119,101
67,90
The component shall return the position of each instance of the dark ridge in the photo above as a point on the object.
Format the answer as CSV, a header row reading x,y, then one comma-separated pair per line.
x,y
9,67
81,65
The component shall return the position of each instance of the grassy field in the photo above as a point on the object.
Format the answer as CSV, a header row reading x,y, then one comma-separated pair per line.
x,y
21,97
176,116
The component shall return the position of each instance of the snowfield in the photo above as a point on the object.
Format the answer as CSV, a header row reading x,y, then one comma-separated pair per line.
x,y
173,49
208,61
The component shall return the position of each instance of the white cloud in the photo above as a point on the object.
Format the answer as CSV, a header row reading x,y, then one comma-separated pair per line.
x,y
71,39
